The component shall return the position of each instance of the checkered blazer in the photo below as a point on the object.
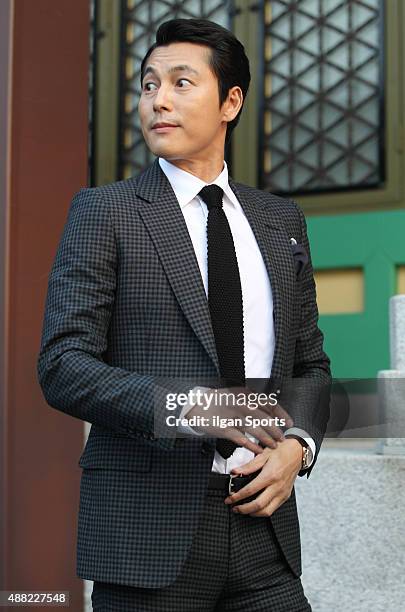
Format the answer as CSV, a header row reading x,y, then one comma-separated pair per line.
x,y
125,310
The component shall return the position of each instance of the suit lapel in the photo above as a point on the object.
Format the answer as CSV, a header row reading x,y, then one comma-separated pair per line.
x,y
272,239
165,223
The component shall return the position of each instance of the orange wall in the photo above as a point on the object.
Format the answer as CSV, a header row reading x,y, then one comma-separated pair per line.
x,y
47,162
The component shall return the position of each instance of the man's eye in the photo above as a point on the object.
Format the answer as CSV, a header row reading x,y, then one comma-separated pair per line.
x,y
149,86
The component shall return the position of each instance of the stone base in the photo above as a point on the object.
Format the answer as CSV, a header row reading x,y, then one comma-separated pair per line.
x,y
353,532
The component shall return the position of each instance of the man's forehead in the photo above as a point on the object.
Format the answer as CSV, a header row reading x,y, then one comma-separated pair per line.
x,y
190,56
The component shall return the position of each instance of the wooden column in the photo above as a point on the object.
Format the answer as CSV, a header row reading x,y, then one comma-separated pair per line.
x,y
44,61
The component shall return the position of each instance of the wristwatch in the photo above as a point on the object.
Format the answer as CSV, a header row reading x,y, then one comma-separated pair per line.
x,y
306,451
306,457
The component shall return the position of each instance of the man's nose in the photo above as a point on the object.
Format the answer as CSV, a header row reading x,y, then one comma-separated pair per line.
x,y
162,99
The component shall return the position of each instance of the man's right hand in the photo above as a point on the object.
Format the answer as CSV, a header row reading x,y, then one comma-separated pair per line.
x,y
225,413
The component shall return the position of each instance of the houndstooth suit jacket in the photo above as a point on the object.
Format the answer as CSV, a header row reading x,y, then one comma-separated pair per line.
x,y
125,309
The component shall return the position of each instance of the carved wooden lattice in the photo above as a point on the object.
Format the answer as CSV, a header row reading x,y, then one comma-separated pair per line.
x,y
323,107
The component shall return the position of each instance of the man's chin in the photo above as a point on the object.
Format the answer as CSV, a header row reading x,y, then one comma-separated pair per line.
x,y
164,151
168,153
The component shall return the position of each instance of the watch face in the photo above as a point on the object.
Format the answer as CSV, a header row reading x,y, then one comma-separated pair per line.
x,y
305,459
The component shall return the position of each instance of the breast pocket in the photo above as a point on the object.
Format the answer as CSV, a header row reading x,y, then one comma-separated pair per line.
x,y
113,452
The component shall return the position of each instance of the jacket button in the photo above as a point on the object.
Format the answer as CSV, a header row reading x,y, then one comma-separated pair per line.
x,y
205,448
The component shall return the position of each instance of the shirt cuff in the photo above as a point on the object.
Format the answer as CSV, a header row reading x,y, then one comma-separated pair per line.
x,y
301,433
184,428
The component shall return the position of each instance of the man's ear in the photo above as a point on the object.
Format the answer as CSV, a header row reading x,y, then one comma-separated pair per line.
x,y
232,104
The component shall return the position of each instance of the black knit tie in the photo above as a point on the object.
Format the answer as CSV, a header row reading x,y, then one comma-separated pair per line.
x,y
224,298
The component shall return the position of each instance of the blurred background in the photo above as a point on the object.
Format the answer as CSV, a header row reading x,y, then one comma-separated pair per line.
x,y
323,124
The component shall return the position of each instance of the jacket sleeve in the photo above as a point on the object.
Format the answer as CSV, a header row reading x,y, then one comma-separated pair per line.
x,y
307,395
80,299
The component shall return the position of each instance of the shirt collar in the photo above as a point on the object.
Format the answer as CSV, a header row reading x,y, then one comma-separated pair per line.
x,y
186,186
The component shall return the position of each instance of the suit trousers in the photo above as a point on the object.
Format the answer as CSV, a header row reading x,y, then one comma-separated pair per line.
x,y
235,564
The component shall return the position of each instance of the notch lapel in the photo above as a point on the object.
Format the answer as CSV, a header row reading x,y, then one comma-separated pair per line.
x,y
167,228
272,239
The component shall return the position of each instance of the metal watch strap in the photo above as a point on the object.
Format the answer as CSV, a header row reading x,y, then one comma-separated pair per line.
x,y
305,450
305,458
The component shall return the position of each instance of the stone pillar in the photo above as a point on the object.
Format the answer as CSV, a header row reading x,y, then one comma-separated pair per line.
x,y
391,384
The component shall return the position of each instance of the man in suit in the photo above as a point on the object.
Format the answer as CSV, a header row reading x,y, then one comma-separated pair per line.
x,y
184,516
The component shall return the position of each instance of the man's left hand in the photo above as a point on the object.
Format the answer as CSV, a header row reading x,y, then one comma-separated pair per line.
x,y
279,469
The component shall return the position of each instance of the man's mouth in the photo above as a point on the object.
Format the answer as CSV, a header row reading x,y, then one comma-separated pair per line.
x,y
167,128
163,126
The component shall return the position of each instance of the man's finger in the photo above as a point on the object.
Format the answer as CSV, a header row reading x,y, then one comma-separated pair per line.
x,y
264,420
275,432
278,411
262,435
252,466
241,440
256,485
281,413
256,505
273,505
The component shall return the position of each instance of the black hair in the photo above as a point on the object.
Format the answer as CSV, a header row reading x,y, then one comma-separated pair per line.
x,y
228,60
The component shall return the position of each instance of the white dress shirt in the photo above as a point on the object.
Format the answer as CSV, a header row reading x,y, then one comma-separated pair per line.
x,y
258,325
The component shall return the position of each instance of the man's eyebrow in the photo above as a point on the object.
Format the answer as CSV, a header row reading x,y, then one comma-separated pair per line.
x,y
181,68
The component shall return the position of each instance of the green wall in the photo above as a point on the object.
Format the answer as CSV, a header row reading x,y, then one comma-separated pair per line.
x,y
358,344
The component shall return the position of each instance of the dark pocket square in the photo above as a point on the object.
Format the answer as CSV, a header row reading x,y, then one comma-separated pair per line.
x,y
300,258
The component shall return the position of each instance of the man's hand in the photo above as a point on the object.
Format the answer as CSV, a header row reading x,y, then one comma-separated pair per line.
x,y
221,405
280,467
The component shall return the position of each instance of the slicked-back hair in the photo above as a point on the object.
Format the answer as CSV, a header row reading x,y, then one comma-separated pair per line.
x,y
227,60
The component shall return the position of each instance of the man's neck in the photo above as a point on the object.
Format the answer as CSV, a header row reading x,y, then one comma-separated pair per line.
x,y
206,171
